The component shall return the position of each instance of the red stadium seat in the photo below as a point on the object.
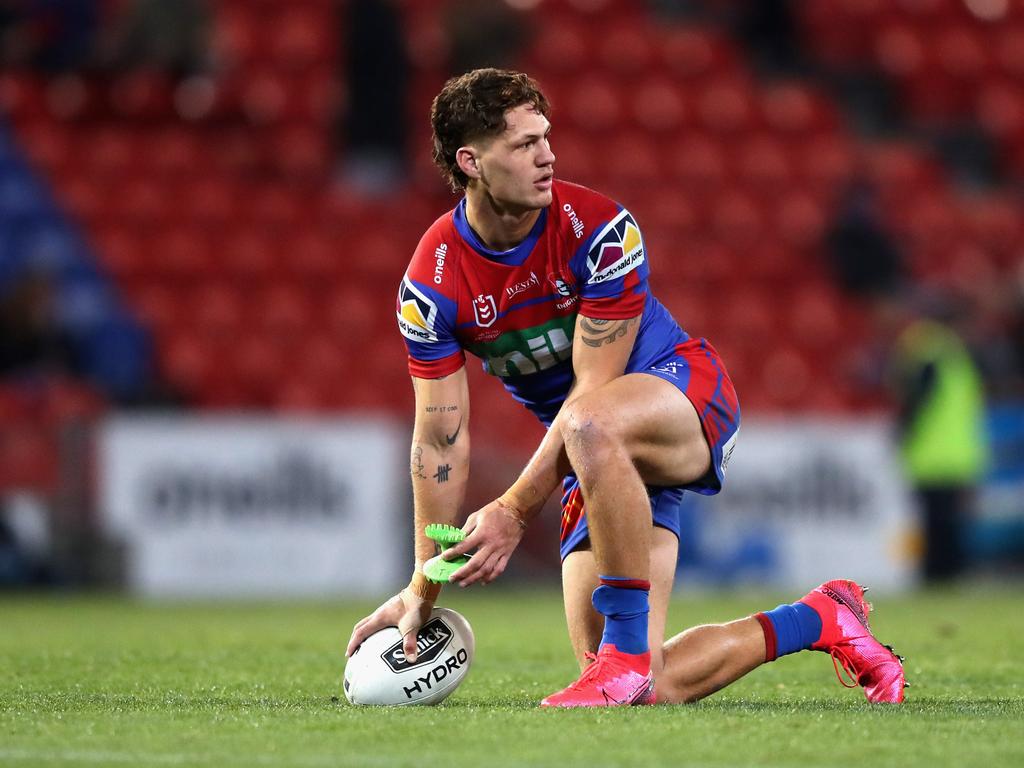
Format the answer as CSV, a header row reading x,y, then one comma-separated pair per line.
x,y
575,156
83,196
123,255
560,47
900,51
762,164
737,220
631,159
158,307
302,36
187,363
627,50
826,161
175,153
142,201
282,312
996,223
813,318
112,152
273,207
657,105
725,106
594,105
181,255
1009,50
313,256
237,35
211,201
301,151
786,377
800,220
795,110
692,53
1000,108
961,52
141,95
248,256
698,163
216,312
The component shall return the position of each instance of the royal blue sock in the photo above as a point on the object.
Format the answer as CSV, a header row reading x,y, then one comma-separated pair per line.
x,y
788,629
624,605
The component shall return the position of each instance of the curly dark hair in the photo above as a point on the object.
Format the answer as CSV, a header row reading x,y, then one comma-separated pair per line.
x,y
473,106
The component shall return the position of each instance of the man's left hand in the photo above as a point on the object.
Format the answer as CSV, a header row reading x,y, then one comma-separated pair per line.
x,y
494,532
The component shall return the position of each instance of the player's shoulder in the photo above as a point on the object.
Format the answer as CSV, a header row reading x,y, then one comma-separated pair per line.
x,y
582,209
435,257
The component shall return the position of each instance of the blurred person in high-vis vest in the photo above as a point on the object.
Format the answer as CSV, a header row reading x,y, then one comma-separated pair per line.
x,y
940,425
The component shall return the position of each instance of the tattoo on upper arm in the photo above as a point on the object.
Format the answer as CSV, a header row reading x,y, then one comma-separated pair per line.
x,y
440,408
416,467
443,470
597,332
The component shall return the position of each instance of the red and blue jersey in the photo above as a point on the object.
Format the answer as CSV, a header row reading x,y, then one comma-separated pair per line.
x,y
516,310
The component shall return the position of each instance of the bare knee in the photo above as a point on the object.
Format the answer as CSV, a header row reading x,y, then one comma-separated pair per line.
x,y
588,430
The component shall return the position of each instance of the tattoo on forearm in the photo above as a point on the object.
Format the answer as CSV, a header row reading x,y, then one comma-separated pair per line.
x,y
597,332
416,467
440,408
443,470
450,439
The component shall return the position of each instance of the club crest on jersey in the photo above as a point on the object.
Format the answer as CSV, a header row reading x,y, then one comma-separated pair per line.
x,y
617,250
561,286
485,310
416,313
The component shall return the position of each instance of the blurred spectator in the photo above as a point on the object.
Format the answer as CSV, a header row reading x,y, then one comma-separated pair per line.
x,y
377,63
864,260
940,426
170,37
483,33
768,30
25,546
53,36
31,341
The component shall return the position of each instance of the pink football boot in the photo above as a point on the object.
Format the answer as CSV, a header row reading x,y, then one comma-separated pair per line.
x,y
845,634
613,679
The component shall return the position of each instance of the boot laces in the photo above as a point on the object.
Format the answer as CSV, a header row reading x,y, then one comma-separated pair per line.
x,y
594,670
843,663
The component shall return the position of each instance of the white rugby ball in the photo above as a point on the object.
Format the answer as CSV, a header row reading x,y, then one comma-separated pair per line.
x,y
378,672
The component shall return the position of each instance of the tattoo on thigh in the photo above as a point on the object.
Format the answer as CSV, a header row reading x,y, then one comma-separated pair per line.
x,y
597,332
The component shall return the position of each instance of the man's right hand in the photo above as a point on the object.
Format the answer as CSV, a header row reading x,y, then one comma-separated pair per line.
x,y
405,610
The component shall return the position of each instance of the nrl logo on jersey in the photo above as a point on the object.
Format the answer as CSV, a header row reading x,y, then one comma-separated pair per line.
x,y
617,250
485,310
416,313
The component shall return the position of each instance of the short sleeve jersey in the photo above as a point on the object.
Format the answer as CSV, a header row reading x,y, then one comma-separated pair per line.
x,y
516,310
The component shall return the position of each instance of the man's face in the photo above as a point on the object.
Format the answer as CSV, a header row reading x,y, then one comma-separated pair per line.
x,y
517,166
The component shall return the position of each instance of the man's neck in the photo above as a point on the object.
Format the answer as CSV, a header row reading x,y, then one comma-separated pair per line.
x,y
500,229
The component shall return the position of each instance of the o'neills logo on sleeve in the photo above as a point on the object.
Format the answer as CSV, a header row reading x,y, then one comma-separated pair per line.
x,y
617,250
439,255
416,313
577,223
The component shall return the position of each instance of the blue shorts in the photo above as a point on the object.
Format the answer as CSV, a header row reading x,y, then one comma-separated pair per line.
x,y
695,368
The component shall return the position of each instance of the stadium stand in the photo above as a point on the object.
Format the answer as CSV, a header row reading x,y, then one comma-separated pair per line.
x,y
265,284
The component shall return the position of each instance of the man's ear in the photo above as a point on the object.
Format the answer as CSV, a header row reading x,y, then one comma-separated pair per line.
x,y
468,161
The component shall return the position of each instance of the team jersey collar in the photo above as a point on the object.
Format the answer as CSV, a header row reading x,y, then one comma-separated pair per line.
x,y
512,257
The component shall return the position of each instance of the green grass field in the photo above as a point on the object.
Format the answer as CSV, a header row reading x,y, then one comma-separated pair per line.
x,y
94,681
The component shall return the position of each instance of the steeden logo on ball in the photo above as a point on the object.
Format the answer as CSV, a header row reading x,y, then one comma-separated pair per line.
x,y
430,642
